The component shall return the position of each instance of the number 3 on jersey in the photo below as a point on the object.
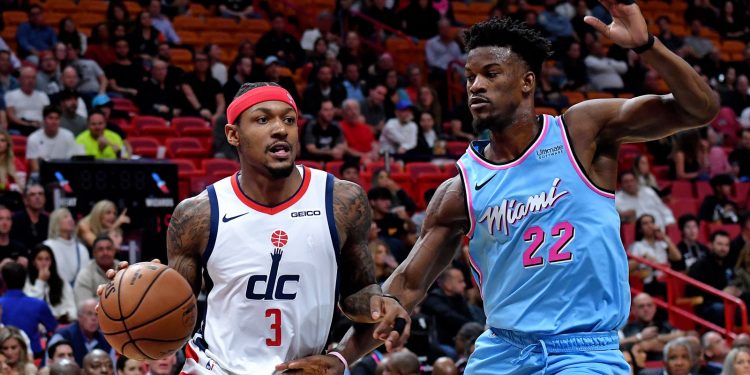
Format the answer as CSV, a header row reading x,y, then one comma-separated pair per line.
x,y
275,326
563,232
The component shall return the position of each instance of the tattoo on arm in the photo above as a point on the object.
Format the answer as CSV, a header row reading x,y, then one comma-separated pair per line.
x,y
353,219
187,236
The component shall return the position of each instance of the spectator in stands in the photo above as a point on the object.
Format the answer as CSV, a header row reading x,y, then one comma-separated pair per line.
x,y
349,171
22,311
427,101
9,247
737,362
102,218
644,312
715,271
69,35
356,52
651,243
12,170
448,306
740,157
84,333
30,225
726,83
427,138
355,87
69,82
634,200
97,362
45,284
48,76
14,350
740,98
321,89
24,105
7,81
697,46
574,68
174,73
202,92
741,278
690,157
64,367
60,350
129,366
719,207
34,36
125,76
272,73
671,41
419,19
378,11
729,26
99,142
400,133
604,73
322,30
157,97
548,88
49,142
117,14
642,172
744,237
237,9
444,366
162,23
557,27
359,137
394,224
690,248
93,274
14,61
71,255
144,39
277,42
715,349
382,259
323,138
99,46
243,71
70,119
92,78
218,69
163,366
373,109
678,359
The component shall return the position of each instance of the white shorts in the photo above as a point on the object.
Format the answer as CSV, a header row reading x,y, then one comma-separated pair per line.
x,y
197,361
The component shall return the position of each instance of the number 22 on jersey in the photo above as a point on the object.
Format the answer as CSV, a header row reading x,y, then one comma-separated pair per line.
x,y
562,234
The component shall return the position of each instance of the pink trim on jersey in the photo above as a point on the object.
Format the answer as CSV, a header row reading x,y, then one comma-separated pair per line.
x,y
573,161
520,160
469,203
473,264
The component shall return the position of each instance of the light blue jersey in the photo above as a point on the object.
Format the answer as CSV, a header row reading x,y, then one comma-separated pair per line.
x,y
545,244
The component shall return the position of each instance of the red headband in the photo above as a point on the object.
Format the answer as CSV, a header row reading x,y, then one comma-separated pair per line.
x,y
255,96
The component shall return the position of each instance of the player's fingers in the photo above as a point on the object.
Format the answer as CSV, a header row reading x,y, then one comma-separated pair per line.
x,y
111,273
122,265
156,261
597,24
376,307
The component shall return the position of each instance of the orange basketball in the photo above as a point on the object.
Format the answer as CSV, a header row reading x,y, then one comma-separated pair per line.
x,y
148,311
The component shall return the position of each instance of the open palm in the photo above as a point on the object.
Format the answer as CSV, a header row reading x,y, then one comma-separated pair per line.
x,y
628,28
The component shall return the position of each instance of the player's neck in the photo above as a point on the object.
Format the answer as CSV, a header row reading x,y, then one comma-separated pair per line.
x,y
262,188
509,142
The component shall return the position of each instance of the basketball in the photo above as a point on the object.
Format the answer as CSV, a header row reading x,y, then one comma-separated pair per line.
x,y
148,311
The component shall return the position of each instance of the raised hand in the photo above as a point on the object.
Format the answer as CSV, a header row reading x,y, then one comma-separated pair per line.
x,y
317,364
628,28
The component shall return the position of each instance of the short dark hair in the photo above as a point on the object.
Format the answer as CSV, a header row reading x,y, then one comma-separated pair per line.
x,y
624,173
247,87
53,348
50,109
35,6
524,41
379,193
685,219
348,165
5,52
276,15
721,180
14,275
95,111
101,237
68,94
744,219
718,233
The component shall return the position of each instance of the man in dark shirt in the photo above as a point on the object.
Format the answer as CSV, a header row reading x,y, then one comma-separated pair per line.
x,y
277,42
644,311
716,271
691,249
125,75
323,138
272,72
719,208
244,70
203,96
323,88
156,96
174,73
10,248
743,238
394,226
740,157
448,306
31,224
372,107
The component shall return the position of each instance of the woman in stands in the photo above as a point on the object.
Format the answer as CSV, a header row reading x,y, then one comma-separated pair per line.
x,y
14,349
102,218
384,262
690,157
642,171
737,362
69,35
144,40
100,46
70,254
427,101
652,244
12,170
44,282
129,366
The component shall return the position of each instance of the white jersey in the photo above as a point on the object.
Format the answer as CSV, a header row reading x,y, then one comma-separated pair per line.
x,y
271,275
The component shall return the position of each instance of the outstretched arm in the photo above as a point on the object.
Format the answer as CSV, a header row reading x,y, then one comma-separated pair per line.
x,y
187,237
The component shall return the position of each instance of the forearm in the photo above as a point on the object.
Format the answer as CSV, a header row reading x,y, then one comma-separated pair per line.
x,y
102,84
692,94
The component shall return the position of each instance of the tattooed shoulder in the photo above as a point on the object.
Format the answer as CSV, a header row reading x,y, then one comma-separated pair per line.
x,y
351,209
187,237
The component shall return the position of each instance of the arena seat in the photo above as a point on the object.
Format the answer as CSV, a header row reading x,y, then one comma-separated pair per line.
x,y
426,181
682,189
310,163
703,189
193,127
186,147
683,205
153,126
375,165
224,166
144,146
732,229
456,148
416,169
334,166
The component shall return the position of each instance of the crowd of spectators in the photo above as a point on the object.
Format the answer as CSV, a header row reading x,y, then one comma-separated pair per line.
x,y
359,101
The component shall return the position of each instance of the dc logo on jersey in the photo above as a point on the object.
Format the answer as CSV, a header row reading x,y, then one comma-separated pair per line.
x,y
274,282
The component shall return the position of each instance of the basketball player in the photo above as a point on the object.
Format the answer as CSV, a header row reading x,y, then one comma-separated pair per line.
x,y
274,244
536,201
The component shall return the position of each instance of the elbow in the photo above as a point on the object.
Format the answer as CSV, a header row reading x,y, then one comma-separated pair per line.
x,y
704,114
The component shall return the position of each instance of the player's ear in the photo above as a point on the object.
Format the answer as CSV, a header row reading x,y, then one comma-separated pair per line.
x,y
231,131
528,82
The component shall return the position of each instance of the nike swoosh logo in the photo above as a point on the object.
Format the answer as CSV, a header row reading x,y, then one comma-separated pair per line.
x,y
228,219
481,185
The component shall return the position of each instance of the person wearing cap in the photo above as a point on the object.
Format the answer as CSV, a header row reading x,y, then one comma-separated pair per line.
x,y
719,207
400,133
51,141
103,104
100,142
70,119
313,226
272,73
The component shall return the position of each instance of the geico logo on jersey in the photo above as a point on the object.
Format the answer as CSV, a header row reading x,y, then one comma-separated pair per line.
x,y
305,213
274,283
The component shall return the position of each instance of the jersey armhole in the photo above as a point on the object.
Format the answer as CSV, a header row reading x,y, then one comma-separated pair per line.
x,y
467,197
333,231
577,163
214,228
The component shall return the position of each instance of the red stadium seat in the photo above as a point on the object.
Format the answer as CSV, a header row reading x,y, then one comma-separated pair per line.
x,y
683,206
426,181
185,147
310,163
220,166
673,231
627,234
456,148
703,188
192,126
375,165
416,169
732,229
19,145
144,146
742,193
682,189
153,126
199,183
333,167
124,105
